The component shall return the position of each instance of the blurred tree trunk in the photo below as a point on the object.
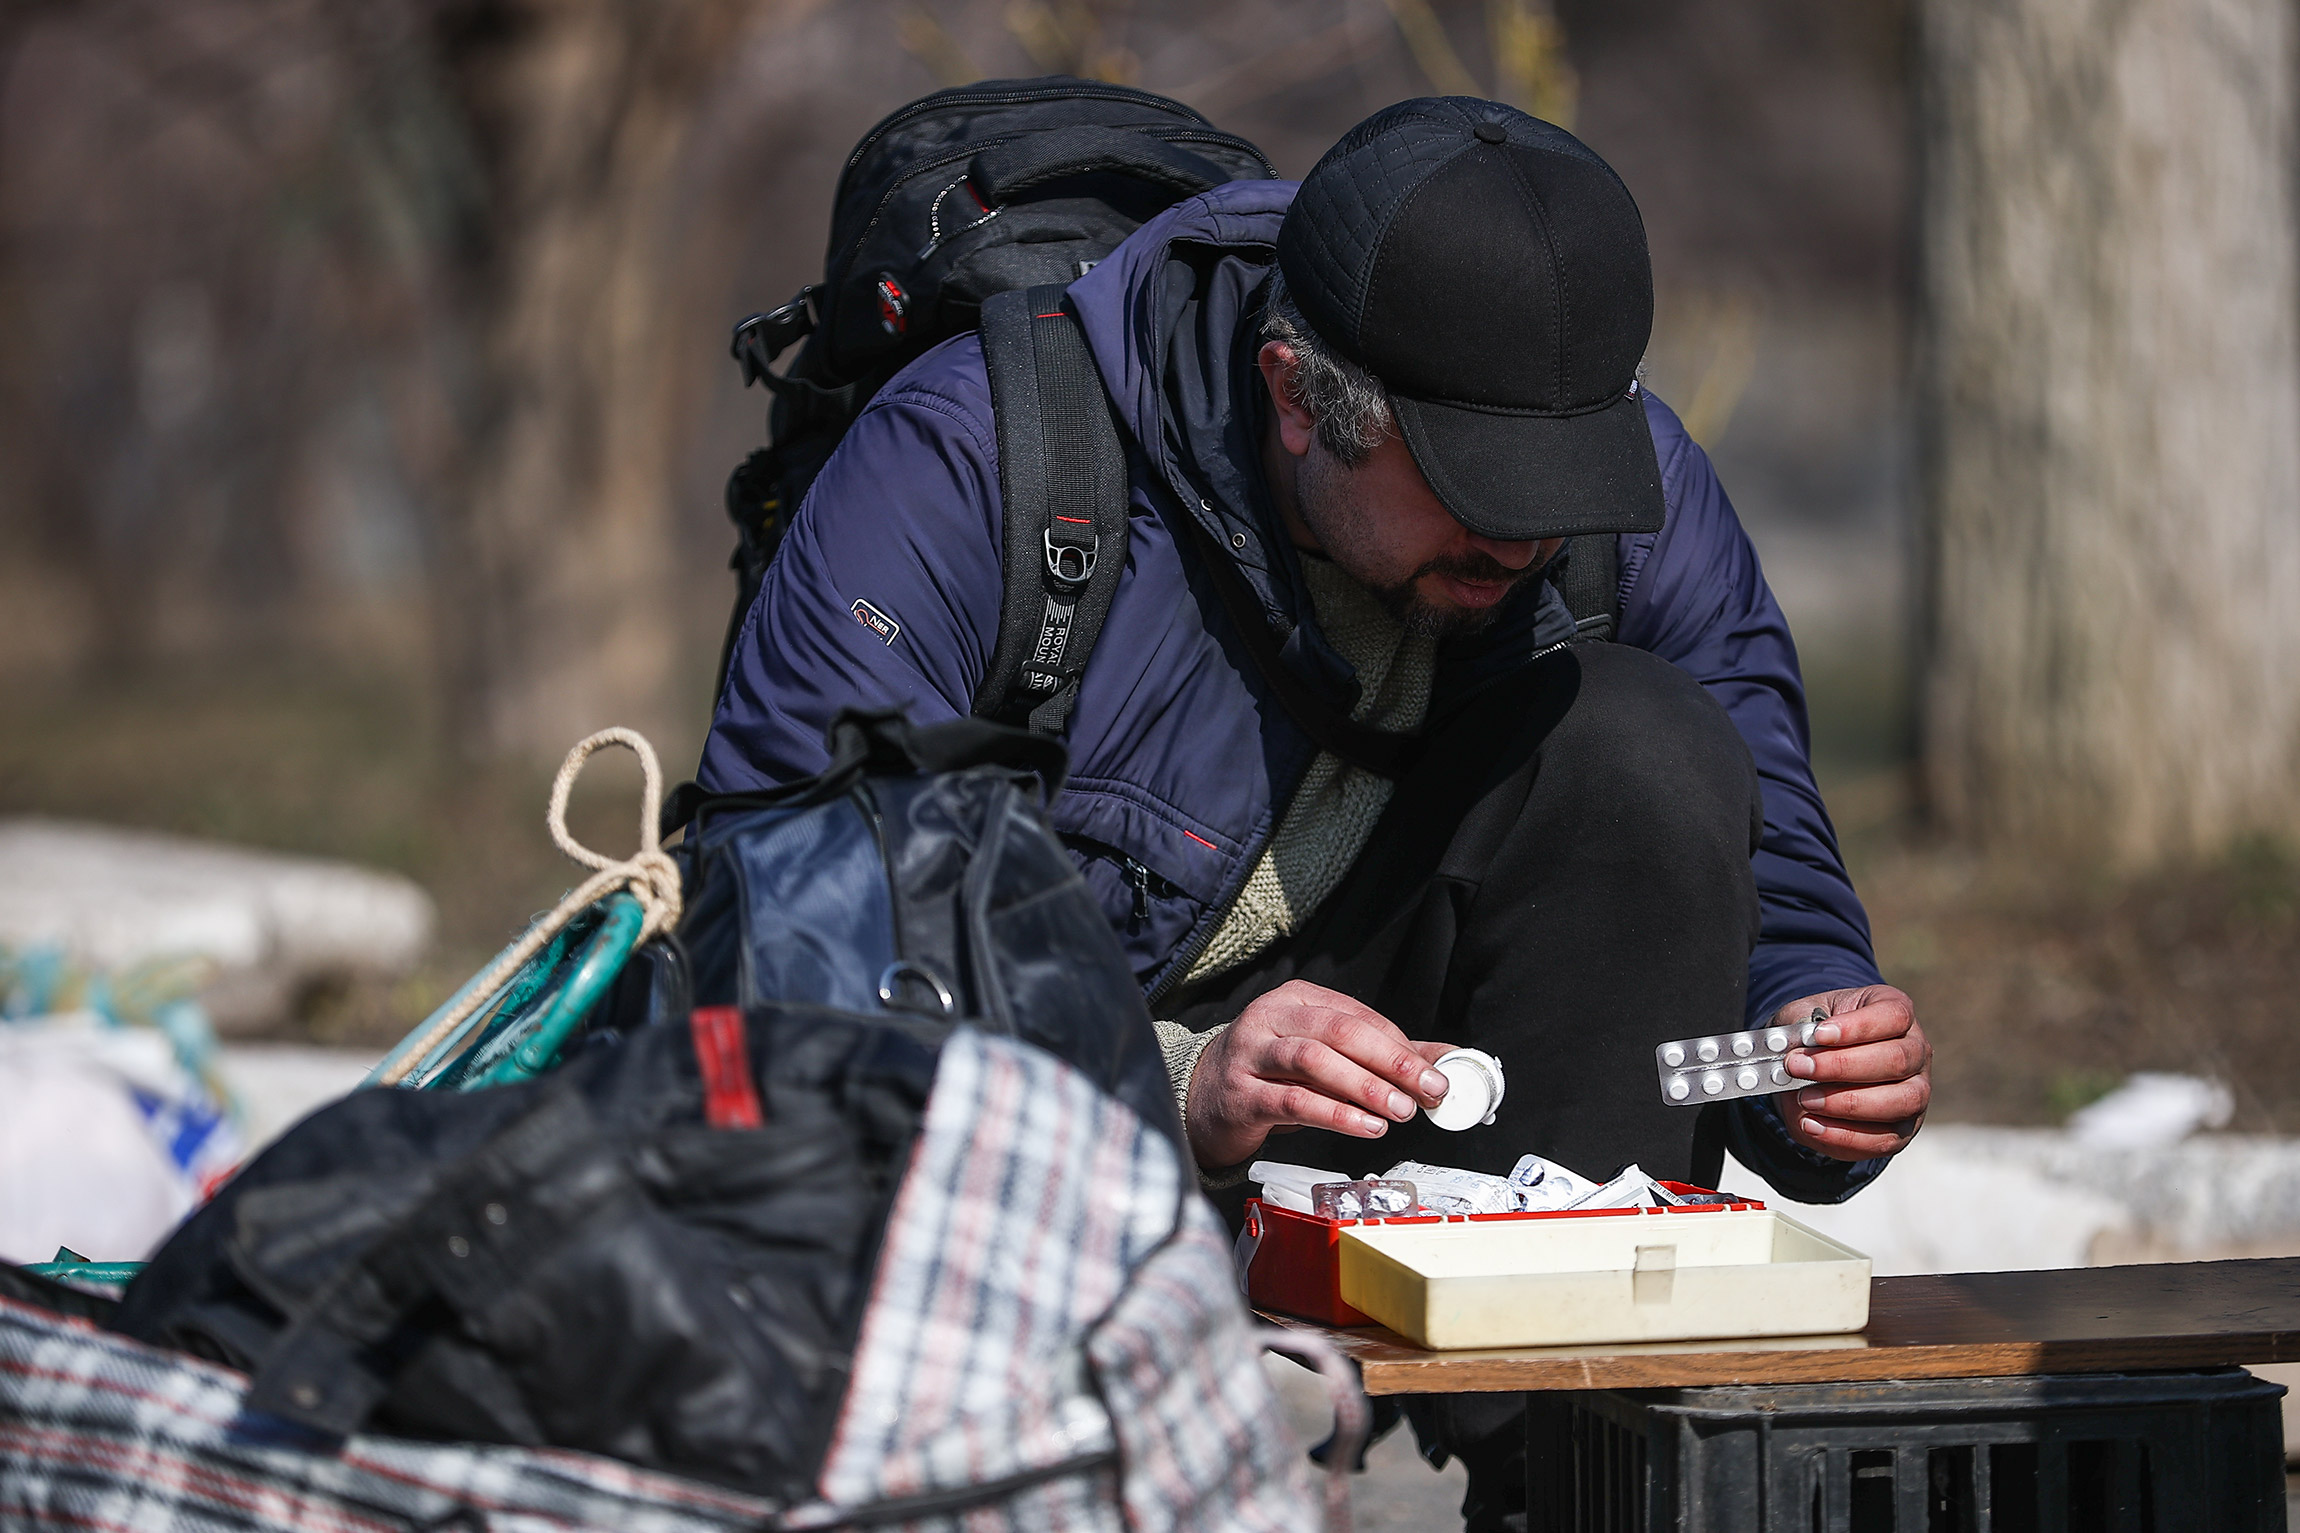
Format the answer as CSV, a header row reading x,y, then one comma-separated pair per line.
x,y
2110,400
557,610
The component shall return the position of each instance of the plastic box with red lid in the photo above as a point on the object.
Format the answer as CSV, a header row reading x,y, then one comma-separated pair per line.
x,y
1295,1267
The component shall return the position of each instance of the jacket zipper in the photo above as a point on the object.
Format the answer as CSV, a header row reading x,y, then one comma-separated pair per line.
x,y
1202,936
1137,874
1140,876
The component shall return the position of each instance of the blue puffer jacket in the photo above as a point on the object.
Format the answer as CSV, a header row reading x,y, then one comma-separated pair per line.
x,y
1180,763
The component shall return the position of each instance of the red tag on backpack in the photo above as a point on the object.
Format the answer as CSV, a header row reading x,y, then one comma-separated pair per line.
x,y
730,1100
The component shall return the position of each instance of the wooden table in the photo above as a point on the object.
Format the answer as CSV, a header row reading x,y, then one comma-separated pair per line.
x,y
1789,1451
1969,1325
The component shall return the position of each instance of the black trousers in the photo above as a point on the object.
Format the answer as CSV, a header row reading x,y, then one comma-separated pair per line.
x,y
1564,881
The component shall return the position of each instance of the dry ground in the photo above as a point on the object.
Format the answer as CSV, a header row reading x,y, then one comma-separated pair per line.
x,y
2043,988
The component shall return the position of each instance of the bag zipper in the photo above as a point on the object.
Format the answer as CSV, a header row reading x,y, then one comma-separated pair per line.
x,y
941,100
1176,134
867,804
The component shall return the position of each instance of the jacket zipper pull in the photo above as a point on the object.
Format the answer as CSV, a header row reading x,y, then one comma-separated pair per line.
x,y
1139,877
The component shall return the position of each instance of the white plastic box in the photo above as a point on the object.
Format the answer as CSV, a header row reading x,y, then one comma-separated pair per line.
x,y
1558,1282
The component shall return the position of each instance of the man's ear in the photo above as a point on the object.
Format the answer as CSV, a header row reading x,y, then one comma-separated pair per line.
x,y
1280,368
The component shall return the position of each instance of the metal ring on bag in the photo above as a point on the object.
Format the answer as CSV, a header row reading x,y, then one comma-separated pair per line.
x,y
1069,564
890,996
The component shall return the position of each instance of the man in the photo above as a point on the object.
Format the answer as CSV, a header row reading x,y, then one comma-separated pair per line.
x,y
1340,776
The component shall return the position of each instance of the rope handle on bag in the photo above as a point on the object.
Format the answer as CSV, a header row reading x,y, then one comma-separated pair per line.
x,y
649,874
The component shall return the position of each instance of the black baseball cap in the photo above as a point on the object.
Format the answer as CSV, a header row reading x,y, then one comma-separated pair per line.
x,y
1491,271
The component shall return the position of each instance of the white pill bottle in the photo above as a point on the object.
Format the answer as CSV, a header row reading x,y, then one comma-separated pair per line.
x,y
1474,1089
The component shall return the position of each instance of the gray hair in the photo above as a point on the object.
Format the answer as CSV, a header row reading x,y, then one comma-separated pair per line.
x,y
1350,404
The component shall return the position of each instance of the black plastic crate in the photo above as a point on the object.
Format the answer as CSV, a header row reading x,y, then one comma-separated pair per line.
x,y
2053,1453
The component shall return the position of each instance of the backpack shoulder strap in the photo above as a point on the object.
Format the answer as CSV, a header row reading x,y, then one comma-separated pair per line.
x,y
1589,578
1062,479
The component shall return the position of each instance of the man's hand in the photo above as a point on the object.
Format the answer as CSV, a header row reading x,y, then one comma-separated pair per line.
x,y
1306,1057
1871,1071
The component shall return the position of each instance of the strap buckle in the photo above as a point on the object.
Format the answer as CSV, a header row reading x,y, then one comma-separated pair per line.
x,y
761,338
1067,564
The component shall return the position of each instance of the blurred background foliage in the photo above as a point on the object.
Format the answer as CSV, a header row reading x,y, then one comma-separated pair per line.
x,y
364,407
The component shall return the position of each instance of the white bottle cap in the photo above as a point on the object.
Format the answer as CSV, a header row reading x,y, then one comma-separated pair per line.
x,y
1474,1089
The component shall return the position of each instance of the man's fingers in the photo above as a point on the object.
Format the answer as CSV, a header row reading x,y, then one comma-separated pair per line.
x,y
1854,1141
1364,1035
1868,1060
1869,1104
1869,1024
1379,1046
1310,1061
1311,1108
1886,1013
1303,1056
1892,1060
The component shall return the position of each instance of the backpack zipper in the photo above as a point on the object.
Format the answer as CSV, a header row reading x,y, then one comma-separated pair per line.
x,y
1177,134
941,99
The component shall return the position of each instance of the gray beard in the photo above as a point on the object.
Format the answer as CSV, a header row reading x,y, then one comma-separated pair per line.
x,y
1322,496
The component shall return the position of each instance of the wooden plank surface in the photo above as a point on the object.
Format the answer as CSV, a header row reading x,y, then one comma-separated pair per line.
x,y
1961,1325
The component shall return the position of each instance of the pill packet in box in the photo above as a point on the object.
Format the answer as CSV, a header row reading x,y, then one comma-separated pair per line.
x,y
1723,1066
1372,1198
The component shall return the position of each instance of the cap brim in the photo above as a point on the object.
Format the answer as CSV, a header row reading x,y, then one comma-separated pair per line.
x,y
1524,477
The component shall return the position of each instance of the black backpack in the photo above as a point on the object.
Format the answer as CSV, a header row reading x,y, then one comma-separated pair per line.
x,y
961,196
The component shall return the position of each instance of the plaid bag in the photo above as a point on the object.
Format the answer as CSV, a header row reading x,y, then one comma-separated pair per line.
x,y
1054,1340
1054,1302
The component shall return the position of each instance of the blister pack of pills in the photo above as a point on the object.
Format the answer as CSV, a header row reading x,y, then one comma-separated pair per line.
x,y
1373,1198
1728,1065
